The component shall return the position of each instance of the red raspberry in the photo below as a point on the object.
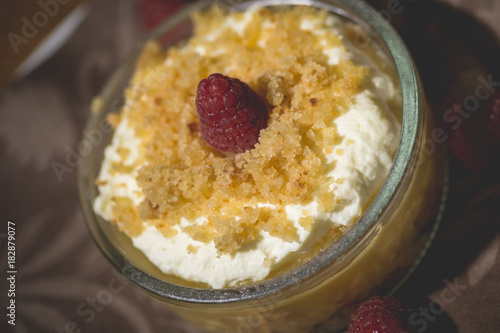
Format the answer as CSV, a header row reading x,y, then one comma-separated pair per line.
x,y
230,113
471,142
379,315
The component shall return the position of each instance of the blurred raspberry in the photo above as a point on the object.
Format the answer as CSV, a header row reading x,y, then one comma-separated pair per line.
x,y
379,315
230,113
494,117
470,141
152,12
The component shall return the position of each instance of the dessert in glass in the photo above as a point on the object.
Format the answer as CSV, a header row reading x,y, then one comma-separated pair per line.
x,y
334,202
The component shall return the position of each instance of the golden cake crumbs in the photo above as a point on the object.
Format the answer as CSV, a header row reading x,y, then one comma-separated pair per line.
x,y
99,182
123,152
306,222
113,119
183,178
125,212
167,230
192,249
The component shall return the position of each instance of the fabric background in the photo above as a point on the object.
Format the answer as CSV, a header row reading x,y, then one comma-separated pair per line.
x,y
60,267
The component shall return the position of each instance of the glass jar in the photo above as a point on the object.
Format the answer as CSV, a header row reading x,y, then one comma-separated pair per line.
x,y
373,257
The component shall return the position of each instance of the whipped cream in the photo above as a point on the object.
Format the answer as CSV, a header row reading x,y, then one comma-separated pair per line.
x,y
369,133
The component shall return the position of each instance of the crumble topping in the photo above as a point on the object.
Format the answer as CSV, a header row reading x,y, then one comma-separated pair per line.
x,y
234,198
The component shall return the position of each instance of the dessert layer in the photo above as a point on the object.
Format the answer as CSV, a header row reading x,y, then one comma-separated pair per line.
x,y
227,220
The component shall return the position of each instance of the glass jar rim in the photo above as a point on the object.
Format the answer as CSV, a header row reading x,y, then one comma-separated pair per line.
x,y
368,18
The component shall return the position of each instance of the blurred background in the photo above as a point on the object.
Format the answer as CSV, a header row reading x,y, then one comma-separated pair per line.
x,y
55,56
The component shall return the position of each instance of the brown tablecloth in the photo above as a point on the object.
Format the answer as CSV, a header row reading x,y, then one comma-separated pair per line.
x,y
63,281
